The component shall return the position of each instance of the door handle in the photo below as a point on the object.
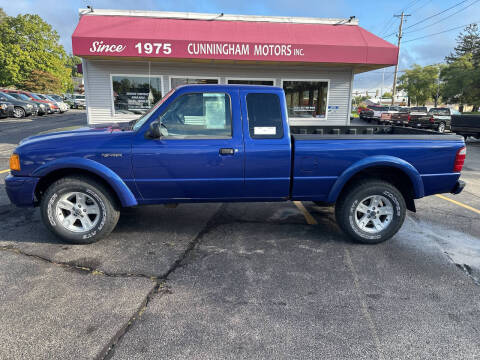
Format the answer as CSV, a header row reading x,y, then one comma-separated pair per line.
x,y
226,151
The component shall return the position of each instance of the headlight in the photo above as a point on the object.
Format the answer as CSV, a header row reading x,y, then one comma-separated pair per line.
x,y
3,106
29,105
41,105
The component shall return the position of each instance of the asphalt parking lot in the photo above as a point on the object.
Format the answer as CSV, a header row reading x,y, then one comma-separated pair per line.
x,y
240,281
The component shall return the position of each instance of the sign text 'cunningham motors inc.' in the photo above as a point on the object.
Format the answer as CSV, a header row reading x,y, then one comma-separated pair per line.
x,y
185,49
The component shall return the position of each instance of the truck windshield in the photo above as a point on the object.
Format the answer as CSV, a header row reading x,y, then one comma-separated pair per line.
x,y
138,123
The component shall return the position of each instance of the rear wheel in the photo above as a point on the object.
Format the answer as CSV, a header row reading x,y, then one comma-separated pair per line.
x,y
441,127
18,112
79,210
371,211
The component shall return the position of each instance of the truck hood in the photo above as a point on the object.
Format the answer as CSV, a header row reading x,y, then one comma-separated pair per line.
x,y
73,132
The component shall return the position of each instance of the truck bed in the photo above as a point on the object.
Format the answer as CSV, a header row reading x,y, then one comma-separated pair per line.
x,y
323,155
366,132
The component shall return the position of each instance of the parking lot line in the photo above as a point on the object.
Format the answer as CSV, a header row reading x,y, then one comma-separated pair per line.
x,y
4,171
459,203
308,217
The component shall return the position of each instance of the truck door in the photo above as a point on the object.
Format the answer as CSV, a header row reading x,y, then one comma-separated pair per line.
x,y
201,158
267,144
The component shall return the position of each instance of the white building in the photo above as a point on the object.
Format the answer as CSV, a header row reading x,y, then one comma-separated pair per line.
x,y
132,58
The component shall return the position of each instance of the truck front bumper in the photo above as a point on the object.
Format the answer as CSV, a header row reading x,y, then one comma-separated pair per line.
x,y
21,190
457,189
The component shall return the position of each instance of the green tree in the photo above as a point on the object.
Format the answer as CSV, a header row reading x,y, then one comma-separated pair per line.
x,y
461,79
359,99
387,95
468,42
461,75
420,83
28,43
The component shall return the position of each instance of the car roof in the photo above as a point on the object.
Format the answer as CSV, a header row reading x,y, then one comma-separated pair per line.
x,y
234,86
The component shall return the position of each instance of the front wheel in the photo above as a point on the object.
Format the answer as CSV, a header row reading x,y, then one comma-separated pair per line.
x,y
371,211
19,112
79,210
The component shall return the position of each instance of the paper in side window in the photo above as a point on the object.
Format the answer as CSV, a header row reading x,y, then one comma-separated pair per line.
x,y
215,110
265,130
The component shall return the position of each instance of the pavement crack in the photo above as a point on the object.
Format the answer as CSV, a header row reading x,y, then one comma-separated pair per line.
x,y
161,287
77,267
213,222
109,349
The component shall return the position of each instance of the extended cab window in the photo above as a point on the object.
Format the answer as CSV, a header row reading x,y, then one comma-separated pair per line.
x,y
199,115
264,116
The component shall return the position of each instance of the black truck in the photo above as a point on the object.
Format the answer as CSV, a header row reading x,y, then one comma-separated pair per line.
x,y
466,125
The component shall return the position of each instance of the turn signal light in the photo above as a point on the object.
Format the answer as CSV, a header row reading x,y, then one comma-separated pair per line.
x,y
459,159
15,162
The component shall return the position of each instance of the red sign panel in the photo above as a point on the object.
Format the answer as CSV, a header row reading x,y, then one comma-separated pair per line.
x,y
228,40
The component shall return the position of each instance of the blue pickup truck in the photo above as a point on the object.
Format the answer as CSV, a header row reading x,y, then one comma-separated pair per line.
x,y
219,143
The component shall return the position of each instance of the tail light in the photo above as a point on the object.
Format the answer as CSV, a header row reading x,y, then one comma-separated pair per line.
x,y
459,159
432,120
409,118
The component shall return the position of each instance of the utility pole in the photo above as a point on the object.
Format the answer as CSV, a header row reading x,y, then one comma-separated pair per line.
x,y
383,85
401,16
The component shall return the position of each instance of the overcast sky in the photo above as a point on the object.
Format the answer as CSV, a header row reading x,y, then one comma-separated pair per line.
x,y
374,16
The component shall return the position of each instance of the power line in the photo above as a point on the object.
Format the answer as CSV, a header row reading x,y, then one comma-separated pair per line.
x,y
442,19
441,32
421,7
389,23
439,13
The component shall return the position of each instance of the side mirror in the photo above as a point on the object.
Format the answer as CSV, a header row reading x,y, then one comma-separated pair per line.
x,y
154,131
157,130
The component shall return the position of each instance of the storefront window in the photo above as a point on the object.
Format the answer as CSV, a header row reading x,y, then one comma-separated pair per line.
x,y
306,99
183,81
135,94
250,82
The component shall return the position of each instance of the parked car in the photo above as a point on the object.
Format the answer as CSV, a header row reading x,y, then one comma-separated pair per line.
x,y
466,125
78,101
41,108
194,146
60,100
6,109
436,118
386,116
401,117
53,105
21,108
33,97
373,113
62,107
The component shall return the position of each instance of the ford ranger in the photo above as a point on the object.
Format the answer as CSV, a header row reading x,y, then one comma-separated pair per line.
x,y
225,143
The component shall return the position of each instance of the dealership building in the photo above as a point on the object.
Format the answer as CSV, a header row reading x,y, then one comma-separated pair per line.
x,y
130,59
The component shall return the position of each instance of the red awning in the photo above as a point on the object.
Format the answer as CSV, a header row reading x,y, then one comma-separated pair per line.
x,y
150,37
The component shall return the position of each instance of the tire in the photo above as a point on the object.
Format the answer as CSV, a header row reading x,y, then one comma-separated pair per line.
x,y
349,217
441,127
69,222
18,112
